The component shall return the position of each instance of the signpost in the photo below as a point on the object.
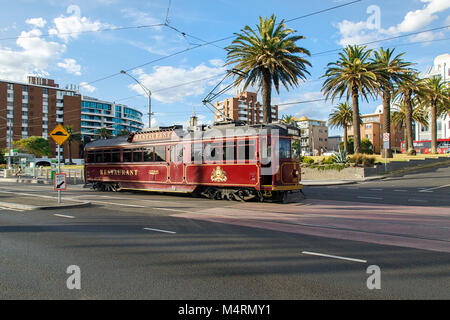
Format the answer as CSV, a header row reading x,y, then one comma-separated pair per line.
x,y
59,135
386,139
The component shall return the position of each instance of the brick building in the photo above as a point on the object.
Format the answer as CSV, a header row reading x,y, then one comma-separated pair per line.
x,y
244,107
35,108
372,129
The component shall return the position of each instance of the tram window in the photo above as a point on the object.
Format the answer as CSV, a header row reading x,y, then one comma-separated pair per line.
x,y
160,153
212,152
246,150
90,157
107,155
285,149
126,155
265,150
98,156
229,151
176,153
115,155
148,154
197,152
137,155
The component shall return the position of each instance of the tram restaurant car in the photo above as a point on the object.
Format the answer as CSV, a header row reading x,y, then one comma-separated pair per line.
x,y
230,161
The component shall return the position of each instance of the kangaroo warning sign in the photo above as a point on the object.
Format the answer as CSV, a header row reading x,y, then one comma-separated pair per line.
x,y
60,182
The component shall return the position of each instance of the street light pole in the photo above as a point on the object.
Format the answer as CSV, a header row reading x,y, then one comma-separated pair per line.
x,y
9,124
148,92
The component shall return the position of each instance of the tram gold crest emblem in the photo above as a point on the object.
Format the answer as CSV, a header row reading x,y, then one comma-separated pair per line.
x,y
218,175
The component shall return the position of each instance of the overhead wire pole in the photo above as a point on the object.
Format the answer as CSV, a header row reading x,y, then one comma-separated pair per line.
x,y
148,92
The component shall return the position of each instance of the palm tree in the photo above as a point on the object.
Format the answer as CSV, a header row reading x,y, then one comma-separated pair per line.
x,y
289,120
400,117
104,133
73,137
354,76
268,56
389,70
123,132
342,117
407,93
436,100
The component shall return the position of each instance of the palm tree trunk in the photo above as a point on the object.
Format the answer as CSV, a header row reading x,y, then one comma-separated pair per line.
x,y
408,123
433,128
356,124
345,139
266,95
70,152
387,120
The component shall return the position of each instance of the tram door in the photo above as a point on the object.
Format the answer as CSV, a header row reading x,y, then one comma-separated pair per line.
x,y
176,163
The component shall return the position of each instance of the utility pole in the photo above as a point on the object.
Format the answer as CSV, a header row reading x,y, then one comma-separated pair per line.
x,y
148,92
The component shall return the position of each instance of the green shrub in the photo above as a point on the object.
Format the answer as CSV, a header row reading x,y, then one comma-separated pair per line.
x,y
329,160
334,166
362,159
308,160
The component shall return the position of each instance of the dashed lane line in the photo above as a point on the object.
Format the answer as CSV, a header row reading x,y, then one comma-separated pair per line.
x,y
64,216
159,230
333,256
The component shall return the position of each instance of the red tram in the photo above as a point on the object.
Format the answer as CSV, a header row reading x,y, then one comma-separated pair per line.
x,y
229,161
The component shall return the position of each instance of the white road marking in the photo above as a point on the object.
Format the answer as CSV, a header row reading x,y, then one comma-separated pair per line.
x,y
159,230
435,188
335,257
64,216
417,200
12,209
118,204
376,189
168,209
401,190
373,198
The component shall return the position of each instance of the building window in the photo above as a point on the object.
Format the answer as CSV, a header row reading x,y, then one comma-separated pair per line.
x,y
10,86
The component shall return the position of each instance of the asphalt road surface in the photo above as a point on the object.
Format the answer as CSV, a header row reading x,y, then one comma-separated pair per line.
x,y
137,245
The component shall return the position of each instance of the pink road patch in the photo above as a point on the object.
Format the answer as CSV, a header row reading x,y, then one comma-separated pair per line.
x,y
417,227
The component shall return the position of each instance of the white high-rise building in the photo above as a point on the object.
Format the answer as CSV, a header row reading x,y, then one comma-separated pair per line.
x,y
440,68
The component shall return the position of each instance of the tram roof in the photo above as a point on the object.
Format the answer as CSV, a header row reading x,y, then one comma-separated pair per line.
x,y
223,130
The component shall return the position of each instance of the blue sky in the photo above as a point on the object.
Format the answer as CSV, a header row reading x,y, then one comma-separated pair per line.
x,y
60,39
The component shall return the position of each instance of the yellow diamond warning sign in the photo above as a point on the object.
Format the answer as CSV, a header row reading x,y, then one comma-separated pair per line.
x,y
59,134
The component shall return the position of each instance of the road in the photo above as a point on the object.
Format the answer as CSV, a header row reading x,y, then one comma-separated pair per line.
x,y
137,245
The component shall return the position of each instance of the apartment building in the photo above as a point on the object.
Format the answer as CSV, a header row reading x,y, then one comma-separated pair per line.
x,y
36,107
334,142
244,107
372,129
440,68
96,114
313,136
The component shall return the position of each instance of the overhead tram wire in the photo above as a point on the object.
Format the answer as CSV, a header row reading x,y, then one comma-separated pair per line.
x,y
385,39
85,31
205,42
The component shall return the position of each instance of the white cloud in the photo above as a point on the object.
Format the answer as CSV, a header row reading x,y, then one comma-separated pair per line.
x,y
139,17
36,22
415,20
71,66
87,87
70,27
361,32
163,77
34,56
